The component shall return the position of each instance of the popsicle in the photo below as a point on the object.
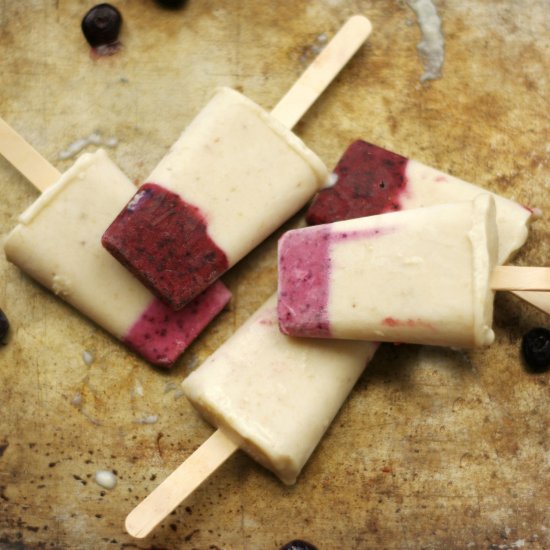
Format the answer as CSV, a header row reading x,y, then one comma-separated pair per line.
x,y
371,180
420,276
235,174
57,242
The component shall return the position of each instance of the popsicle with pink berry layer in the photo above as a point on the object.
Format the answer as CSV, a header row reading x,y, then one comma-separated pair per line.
x,y
234,175
369,180
421,276
57,243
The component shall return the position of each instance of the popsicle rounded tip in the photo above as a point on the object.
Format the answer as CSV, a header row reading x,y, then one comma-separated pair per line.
x,y
360,21
135,528
357,29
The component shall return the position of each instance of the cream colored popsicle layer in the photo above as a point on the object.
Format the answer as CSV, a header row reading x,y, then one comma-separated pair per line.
x,y
253,161
419,276
273,395
235,174
57,242
429,186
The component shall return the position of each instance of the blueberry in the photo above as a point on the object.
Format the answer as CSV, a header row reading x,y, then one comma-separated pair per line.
x,y
535,348
171,3
298,545
101,25
4,327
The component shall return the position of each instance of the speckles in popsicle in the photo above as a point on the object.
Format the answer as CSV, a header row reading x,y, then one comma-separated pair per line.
x,y
164,242
370,233
392,322
370,181
267,321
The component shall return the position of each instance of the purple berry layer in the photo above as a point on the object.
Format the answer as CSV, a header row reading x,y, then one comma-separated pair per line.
x,y
370,180
161,335
304,269
164,242
305,277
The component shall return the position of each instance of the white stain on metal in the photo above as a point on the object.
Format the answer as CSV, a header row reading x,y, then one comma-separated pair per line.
x,y
432,45
77,146
106,479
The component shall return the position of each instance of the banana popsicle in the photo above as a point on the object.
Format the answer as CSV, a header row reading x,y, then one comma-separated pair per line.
x,y
418,276
58,243
268,394
371,180
248,389
235,174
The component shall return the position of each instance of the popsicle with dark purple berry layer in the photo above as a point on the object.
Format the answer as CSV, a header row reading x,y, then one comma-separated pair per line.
x,y
57,242
370,180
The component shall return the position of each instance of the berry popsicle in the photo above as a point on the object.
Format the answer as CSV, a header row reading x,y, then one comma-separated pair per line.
x,y
420,276
57,242
234,159
371,180
250,395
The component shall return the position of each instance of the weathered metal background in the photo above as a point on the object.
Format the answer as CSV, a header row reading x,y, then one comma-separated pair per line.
x,y
435,448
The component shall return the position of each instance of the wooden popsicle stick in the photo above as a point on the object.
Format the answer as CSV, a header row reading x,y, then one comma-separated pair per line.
x,y
510,277
313,81
26,159
541,300
179,484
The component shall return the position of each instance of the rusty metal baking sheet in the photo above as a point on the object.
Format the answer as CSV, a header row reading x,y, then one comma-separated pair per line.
x,y
434,449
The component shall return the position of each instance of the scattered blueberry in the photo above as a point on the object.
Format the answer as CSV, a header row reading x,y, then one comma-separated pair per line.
x,y
4,327
535,348
101,25
298,545
171,3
